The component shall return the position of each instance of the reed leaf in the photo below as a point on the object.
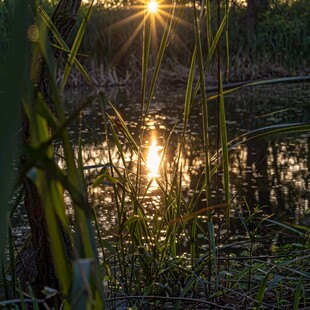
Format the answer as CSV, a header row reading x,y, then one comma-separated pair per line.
x,y
225,158
162,47
211,51
261,82
76,45
215,42
261,292
298,293
121,125
10,97
63,45
204,104
145,56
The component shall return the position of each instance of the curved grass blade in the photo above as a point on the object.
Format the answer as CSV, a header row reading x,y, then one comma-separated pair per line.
x,y
76,45
263,82
63,45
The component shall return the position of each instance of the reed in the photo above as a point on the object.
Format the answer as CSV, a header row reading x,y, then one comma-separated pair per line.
x,y
144,266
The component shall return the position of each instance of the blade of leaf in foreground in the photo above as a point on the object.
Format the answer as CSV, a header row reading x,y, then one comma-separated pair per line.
x,y
85,244
9,109
51,196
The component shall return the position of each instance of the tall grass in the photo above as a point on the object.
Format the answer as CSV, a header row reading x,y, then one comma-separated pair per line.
x,y
145,265
280,46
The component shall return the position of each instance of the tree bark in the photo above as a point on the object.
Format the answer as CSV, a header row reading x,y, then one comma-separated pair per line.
x,y
64,19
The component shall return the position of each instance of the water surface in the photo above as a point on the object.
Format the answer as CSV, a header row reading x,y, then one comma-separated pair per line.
x,y
271,173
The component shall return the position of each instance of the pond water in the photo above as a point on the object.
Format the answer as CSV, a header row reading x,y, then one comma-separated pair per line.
x,y
270,172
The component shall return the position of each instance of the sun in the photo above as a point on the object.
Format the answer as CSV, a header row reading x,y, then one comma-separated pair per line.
x,y
152,6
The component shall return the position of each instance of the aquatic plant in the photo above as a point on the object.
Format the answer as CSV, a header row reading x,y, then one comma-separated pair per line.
x,y
144,265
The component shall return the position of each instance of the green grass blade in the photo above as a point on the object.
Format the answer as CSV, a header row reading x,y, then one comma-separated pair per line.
x,y
121,125
209,24
269,131
211,51
215,42
76,46
298,293
145,56
204,104
63,45
163,45
262,82
261,292
189,91
9,112
225,158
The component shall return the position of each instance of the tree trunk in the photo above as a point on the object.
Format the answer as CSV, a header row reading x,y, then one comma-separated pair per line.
x,y
64,19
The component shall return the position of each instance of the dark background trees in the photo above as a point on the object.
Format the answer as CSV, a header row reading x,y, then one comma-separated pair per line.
x,y
255,9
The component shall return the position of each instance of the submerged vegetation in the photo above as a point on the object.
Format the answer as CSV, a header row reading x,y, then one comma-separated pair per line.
x,y
200,250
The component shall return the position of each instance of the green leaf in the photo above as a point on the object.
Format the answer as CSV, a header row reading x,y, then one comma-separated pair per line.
x,y
82,293
63,45
10,107
76,46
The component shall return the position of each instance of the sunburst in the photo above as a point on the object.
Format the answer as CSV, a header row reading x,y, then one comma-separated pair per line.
x,y
151,11
152,6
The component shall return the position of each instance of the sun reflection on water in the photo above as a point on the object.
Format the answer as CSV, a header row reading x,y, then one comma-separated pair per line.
x,y
153,160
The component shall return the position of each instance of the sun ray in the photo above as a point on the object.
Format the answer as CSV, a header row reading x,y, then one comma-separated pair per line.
x,y
176,18
125,47
154,34
125,21
158,14
163,22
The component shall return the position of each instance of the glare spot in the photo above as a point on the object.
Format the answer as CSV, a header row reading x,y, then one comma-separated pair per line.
x,y
33,33
152,6
153,160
